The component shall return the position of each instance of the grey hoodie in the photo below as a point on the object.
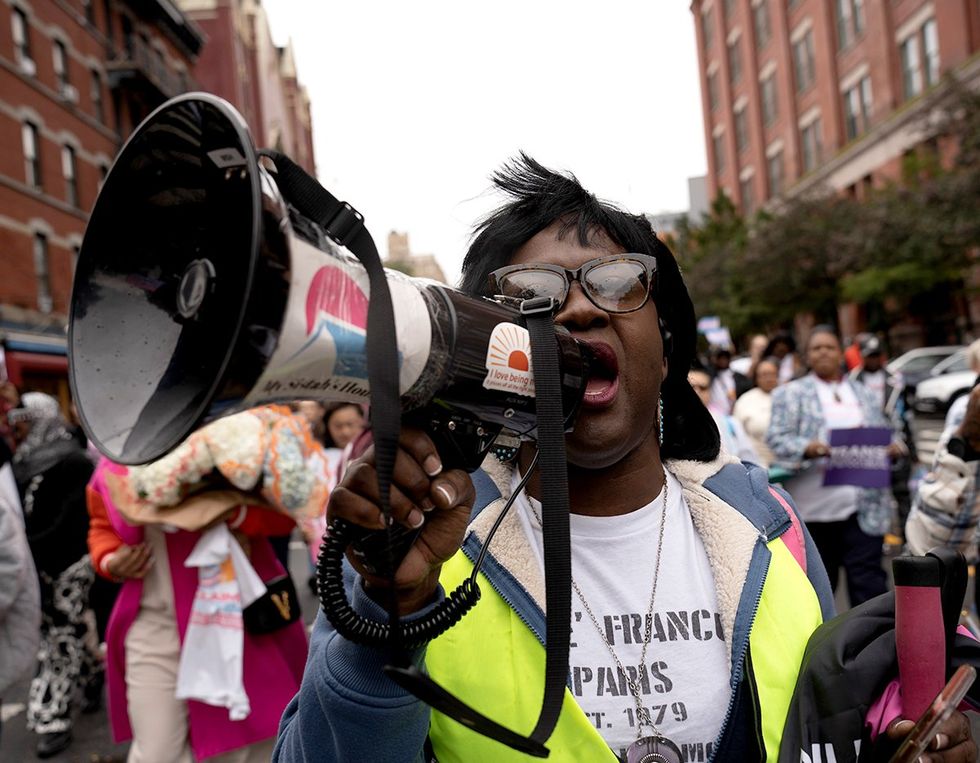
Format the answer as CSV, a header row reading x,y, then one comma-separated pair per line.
x,y
20,608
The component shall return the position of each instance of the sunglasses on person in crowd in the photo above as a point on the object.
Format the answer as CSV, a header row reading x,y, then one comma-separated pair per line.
x,y
615,283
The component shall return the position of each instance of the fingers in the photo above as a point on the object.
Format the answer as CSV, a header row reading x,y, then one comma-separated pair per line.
x,y
357,497
953,744
131,561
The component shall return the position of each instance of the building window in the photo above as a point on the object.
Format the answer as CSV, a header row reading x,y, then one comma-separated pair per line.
x,y
919,54
22,41
774,171
713,90
748,197
760,21
109,30
708,28
41,273
770,103
30,138
857,108
734,61
930,44
89,11
718,151
69,170
741,130
850,21
911,71
812,145
61,74
803,64
97,104
729,8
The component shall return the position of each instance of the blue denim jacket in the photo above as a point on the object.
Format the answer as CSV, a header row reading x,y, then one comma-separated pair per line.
x,y
798,419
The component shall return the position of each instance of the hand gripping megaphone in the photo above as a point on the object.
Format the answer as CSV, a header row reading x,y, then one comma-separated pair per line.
x,y
212,278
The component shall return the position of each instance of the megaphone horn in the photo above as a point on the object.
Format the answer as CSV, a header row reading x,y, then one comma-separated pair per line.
x,y
200,290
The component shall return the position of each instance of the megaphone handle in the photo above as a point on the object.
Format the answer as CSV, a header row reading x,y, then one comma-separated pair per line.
x,y
920,638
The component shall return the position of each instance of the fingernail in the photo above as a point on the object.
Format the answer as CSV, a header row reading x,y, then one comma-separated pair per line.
x,y
903,727
432,465
415,519
426,504
940,741
448,493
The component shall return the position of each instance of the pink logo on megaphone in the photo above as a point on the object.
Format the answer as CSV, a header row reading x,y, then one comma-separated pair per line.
x,y
337,306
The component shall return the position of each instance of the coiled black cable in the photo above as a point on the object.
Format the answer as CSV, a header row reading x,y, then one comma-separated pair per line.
x,y
354,627
415,633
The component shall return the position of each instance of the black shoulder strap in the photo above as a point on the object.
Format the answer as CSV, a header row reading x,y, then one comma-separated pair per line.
x,y
344,225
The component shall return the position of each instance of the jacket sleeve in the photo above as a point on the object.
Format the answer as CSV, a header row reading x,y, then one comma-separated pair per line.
x,y
946,506
102,538
783,436
347,710
13,557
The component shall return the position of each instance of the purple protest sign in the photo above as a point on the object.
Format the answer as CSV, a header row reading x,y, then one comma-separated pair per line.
x,y
859,457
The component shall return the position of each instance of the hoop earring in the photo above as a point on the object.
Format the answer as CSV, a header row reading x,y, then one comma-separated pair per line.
x,y
660,419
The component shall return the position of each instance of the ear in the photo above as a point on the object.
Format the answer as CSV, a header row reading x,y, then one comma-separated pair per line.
x,y
668,343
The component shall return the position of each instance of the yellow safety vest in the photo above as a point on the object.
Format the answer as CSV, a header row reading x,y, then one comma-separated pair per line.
x,y
495,663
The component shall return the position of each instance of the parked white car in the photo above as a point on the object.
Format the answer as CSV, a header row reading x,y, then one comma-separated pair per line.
x,y
915,365
950,379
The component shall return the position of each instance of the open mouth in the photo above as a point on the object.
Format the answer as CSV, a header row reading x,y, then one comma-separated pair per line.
x,y
603,383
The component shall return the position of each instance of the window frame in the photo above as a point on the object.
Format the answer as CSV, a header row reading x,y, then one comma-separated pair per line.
x,y
69,170
769,96
804,71
21,27
41,250
32,158
775,160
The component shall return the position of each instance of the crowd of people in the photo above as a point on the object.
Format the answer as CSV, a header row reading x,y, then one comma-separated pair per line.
x,y
705,542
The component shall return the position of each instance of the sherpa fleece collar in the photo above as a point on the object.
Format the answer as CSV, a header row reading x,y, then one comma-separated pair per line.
x,y
729,538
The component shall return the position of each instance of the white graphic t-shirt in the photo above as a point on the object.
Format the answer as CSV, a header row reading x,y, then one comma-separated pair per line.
x,y
684,682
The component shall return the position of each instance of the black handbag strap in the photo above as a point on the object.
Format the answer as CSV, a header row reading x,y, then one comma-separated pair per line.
x,y
345,226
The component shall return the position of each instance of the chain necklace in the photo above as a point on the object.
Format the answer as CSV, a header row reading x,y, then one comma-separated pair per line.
x,y
649,749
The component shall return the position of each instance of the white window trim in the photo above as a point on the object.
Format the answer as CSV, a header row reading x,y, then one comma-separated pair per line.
x,y
809,117
854,77
733,36
801,29
767,70
740,103
718,131
706,6
746,174
774,148
712,67
914,22
756,3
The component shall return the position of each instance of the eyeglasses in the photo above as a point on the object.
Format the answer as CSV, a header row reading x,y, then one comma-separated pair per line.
x,y
615,283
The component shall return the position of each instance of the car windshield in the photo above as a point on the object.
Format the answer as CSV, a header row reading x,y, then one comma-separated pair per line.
x,y
953,364
922,362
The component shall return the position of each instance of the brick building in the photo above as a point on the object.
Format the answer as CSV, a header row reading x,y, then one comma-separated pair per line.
x,y
800,93
243,65
75,77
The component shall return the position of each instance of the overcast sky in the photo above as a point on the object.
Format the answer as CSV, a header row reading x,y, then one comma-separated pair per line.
x,y
414,104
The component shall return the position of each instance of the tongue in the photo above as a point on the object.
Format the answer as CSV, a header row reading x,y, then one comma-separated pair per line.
x,y
597,384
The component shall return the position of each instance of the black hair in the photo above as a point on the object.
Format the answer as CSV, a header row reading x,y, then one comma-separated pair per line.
x,y
771,360
823,328
329,410
540,197
785,338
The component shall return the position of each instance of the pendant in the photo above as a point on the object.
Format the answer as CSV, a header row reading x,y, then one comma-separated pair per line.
x,y
656,749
